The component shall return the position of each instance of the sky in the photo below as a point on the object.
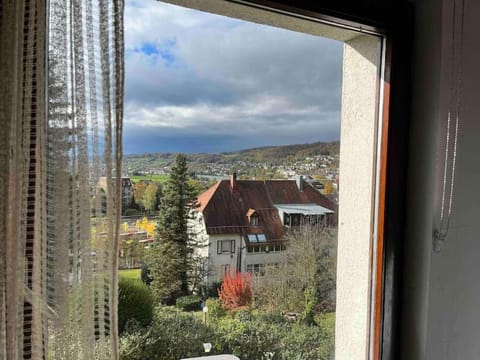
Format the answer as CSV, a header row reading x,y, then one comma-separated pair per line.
x,y
197,82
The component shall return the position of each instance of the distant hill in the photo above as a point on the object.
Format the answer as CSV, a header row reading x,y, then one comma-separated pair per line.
x,y
274,153
270,155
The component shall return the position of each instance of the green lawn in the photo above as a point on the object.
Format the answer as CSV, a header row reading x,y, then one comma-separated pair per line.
x,y
130,273
157,178
326,322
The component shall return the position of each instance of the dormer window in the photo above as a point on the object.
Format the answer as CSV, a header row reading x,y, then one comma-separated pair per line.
x,y
253,218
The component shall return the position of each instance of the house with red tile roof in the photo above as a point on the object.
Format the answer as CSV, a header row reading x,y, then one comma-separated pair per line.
x,y
241,224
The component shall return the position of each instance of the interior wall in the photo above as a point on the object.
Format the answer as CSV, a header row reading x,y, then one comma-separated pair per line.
x,y
441,293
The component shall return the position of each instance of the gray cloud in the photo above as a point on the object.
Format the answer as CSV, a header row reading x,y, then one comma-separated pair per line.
x,y
193,73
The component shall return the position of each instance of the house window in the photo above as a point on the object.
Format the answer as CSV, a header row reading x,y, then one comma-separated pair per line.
x,y
252,238
265,248
254,220
291,219
261,238
256,269
225,246
277,248
225,269
295,220
256,238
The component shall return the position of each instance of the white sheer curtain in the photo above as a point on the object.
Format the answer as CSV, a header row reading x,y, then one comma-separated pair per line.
x,y
61,103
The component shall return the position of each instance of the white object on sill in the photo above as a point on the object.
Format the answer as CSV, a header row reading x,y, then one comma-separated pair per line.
x,y
207,347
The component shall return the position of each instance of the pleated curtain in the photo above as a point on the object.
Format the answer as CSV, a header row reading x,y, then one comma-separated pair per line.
x,y
61,105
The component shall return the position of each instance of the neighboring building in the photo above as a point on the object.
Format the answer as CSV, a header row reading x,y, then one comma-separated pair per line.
x,y
240,224
127,189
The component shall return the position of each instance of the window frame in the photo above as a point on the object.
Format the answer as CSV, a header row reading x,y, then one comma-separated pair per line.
x,y
256,269
226,269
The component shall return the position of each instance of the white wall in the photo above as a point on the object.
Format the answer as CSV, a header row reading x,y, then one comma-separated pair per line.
x,y
219,260
441,317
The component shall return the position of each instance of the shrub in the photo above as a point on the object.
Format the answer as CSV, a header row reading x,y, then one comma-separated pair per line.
x,y
247,339
236,290
189,303
271,317
249,335
251,339
306,343
145,275
135,303
172,335
215,310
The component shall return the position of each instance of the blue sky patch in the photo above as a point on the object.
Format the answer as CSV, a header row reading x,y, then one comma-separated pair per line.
x,y
164,52
149,49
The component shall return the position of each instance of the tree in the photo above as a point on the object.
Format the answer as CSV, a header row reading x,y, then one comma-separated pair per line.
x,y
150,197
328,188
139,192
304,280
146,225
173,245
165,270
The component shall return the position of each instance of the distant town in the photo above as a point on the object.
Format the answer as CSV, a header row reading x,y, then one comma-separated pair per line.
x,y
317,161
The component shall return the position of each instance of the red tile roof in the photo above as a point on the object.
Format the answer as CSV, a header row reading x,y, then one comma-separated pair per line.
x,y
225,211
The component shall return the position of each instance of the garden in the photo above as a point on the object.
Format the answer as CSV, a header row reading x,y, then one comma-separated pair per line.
x,y
150,331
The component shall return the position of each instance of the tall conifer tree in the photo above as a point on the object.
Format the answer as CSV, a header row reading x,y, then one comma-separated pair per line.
x,y
172,254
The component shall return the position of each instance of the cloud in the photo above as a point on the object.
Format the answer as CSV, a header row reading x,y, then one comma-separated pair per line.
x,y
195,74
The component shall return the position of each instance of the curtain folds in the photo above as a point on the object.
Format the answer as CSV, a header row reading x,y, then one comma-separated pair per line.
x,y
61,108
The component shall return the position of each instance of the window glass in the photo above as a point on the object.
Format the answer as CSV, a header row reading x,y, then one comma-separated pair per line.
x,y
261,140
225,246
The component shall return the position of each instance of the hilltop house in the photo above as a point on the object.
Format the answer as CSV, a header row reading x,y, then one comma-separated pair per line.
x,y
240,224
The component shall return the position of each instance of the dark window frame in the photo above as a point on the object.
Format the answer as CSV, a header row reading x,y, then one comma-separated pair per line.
x,y
220,250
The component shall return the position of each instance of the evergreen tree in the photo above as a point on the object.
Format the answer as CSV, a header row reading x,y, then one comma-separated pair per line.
x,y
172,257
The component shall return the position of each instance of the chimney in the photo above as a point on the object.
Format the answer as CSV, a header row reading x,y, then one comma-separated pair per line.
x,y
299,180
233,181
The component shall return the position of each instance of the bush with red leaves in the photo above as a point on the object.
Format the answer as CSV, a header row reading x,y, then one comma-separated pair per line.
x,y
236,290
